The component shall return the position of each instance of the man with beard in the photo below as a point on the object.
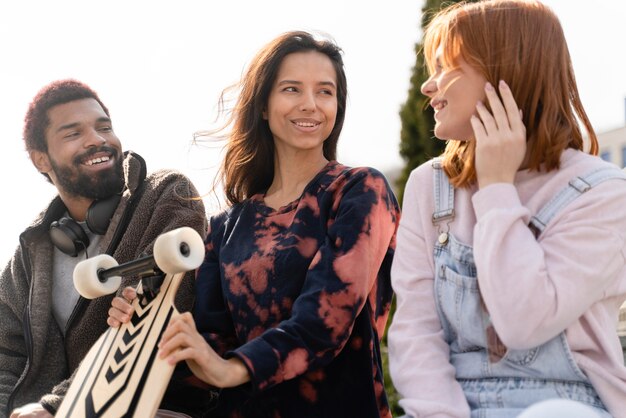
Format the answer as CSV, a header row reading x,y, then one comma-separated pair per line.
x,y
106,204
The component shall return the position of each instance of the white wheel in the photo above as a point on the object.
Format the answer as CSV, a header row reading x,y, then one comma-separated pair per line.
x,y
86,279
179,250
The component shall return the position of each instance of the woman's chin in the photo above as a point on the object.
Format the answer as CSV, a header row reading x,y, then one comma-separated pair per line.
x,y
442,135
450,136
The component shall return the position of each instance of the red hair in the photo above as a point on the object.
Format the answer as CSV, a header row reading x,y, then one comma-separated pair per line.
x,y
522,43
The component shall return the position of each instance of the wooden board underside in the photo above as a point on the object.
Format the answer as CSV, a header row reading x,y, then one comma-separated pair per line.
x,y
121,375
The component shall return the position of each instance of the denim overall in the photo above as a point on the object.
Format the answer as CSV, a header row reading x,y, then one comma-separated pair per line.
x,y
522,377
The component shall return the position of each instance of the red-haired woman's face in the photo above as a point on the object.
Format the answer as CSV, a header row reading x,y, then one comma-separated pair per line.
x,y
454,93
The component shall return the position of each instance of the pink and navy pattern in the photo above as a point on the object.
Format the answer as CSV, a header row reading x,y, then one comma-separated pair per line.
x,y
301,295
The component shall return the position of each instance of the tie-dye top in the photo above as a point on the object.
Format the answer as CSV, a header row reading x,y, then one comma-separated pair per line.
x,y
301,295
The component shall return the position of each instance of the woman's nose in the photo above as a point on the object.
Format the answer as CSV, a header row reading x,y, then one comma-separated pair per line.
x,y
307,102
429,87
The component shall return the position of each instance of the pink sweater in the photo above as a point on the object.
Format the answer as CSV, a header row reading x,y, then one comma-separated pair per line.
x,y
572,278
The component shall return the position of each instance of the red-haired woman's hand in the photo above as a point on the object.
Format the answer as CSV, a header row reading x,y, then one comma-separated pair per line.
x,y
500,137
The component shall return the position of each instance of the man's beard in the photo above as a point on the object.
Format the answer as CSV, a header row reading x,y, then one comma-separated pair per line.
x,y
93,186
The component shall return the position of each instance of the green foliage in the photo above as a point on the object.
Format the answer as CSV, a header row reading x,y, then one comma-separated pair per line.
x,y
392,396
417,144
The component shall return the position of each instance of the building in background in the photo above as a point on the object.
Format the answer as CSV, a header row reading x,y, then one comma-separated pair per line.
x,y
613,144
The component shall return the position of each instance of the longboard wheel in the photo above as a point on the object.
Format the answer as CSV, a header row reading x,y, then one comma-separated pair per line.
x,y
179,250
86,279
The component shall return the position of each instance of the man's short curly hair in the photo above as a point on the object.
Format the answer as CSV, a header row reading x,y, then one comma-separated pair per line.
x,y
56,93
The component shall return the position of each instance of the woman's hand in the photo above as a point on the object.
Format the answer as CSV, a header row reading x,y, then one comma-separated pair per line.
x,y
500,137
121,309
181,341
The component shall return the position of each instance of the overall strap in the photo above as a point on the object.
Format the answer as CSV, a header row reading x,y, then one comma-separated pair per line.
x,y
443,192
575,187
444,201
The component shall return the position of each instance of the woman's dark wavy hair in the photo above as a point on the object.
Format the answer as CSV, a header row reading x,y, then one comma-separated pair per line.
x,y
248,166
56,93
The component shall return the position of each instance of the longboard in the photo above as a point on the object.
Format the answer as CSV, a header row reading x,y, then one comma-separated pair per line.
x,y
122,375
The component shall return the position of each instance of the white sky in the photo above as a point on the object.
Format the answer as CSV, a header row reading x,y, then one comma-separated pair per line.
x,y
159,66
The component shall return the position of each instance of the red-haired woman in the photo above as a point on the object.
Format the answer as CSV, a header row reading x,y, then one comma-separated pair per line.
x,y
294,292
509,269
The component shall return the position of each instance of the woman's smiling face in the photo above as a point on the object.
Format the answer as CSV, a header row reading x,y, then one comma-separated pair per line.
x,y
302,105
453,94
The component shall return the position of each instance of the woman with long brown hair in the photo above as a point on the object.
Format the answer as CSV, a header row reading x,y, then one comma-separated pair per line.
x,y
509,269
294,292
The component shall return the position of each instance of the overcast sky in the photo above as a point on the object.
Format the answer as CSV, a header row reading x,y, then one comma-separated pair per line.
x,y
160,66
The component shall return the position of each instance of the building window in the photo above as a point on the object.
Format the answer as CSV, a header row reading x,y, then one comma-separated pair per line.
x,y
606,155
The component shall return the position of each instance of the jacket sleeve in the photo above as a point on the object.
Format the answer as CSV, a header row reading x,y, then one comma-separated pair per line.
x,y
339,280
52,401
419,360
171,202
13,352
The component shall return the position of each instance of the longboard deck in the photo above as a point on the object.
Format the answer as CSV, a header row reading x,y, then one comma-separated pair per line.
x,y
121,375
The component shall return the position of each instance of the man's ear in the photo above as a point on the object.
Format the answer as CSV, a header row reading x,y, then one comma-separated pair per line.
x,y
40,160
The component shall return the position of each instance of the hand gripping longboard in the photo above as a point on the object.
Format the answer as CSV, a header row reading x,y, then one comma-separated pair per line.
x,y
121,375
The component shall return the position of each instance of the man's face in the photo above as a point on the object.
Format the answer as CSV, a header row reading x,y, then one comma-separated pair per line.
x,y
84,156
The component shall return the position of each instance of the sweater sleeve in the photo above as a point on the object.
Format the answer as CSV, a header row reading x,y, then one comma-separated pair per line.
x,y
418,354
211,314
550,281
338,282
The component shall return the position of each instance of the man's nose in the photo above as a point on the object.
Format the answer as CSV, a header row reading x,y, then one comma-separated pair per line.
x,y
94,138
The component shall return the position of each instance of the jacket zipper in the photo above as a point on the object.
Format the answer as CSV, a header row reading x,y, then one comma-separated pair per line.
x,y
80,306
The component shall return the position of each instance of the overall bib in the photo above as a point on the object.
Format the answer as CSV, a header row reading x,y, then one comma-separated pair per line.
x,y
522,377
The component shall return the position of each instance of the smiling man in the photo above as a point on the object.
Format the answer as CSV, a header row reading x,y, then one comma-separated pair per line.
x,y
106,204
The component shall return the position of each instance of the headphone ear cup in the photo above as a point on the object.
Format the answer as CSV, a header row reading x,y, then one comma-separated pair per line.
x,y
100,213
68,236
